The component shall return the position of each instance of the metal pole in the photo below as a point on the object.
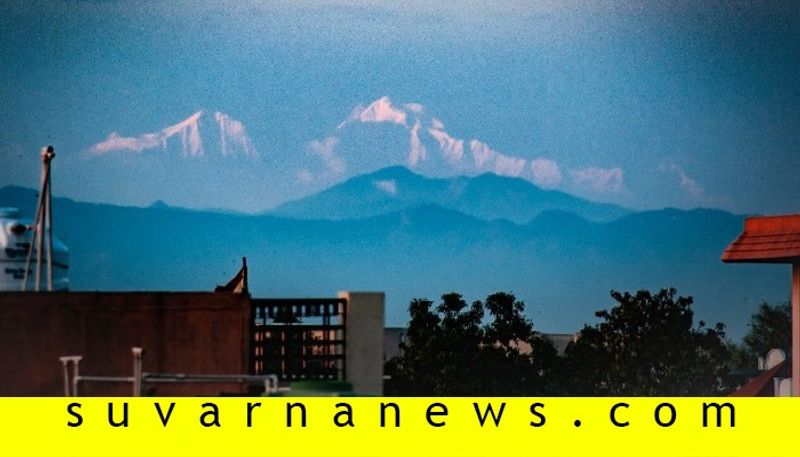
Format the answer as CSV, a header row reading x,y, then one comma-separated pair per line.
x,y
137,371
75,381
65,361
39,232
75,360
47,155
31,245
796,330
36,236
37,246
48,246
48,220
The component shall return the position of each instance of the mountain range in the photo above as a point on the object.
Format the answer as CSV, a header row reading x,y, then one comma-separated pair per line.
x,y
231,137
486,196
412,236
210,149
408,134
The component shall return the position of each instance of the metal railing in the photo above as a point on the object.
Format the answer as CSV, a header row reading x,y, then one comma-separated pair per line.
x,y
73,378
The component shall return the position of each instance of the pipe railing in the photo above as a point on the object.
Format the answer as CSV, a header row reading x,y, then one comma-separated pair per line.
x,y
140,378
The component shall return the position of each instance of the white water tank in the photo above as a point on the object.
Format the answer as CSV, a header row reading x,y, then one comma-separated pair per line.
x,y
15,238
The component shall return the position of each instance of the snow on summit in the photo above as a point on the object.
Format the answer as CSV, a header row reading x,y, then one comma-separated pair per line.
x,y
428,139
233,138
428,147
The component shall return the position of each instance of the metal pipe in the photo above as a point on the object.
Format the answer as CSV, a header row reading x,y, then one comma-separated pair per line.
x,y
137,371
43,223
75,380
64,362
179,377
270,382
39,233
105,378
48,222
33,241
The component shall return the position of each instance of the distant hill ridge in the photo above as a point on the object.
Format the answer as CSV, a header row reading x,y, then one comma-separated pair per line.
x,y
560,263
485,196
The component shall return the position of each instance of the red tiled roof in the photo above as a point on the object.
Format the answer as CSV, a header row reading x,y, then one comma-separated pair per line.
x,y
772,239
762,385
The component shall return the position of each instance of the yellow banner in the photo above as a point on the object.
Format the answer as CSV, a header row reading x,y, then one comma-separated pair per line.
x,y
382,426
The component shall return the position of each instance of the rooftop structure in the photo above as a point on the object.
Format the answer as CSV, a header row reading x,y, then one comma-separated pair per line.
x,y
774,239
213,342
771,239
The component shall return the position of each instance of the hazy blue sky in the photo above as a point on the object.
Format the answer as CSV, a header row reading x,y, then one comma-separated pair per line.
x,y
695,104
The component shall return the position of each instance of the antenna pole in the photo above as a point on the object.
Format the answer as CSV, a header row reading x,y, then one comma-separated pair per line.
x,y
43,217
49,219
39,233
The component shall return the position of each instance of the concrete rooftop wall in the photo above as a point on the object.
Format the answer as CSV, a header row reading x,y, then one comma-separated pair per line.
x,y
192,333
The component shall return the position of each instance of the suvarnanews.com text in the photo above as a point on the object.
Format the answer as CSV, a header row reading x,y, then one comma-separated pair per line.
x,y
389,414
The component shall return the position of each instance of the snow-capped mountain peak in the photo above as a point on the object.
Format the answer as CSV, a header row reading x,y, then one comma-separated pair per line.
x,y
428,141
427,146
381,110
233,137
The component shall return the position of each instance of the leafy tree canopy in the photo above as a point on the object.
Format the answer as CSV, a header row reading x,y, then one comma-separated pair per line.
x,y
449,350
647,345
770,328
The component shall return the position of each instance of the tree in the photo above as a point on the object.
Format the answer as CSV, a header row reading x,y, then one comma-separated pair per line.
x,y
647,345
449,351
439,356
743,360
518,360
770,328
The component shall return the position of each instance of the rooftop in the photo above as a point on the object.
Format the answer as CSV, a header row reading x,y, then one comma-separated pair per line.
x,y
771,239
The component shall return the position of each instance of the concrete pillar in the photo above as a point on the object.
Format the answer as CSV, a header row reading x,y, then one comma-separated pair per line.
x,y
796,330
364,341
